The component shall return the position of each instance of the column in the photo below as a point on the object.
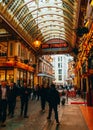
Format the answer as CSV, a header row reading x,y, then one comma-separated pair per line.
x,y
16,75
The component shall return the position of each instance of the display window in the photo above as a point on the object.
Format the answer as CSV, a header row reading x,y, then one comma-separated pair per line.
x,y
10,75
2,75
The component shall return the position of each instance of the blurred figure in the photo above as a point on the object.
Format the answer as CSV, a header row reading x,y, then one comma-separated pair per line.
x,y
3,102
43,95
54,101
12,99
24,95
37,91
63,100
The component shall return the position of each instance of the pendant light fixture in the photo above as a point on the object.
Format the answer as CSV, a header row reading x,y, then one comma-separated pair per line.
x,y
37,42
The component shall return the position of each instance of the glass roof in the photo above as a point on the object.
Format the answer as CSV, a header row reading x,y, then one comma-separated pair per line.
x,y
46,19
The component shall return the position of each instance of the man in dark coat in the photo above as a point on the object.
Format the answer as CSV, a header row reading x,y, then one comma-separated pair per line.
x,y
43,97
54,101
24,95
12,99
3,102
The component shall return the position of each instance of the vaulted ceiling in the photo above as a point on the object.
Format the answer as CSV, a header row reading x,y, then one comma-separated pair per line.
x,y
53,22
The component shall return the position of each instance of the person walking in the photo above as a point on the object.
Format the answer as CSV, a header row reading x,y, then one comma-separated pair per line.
x,y
43,96
24,95
54,101
12,99
3,102
37,91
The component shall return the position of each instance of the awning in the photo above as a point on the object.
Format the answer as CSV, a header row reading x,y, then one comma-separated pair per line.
x,y
45,75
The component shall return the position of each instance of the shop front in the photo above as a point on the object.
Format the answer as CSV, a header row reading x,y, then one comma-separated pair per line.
x,y
45,78
90,77
17,72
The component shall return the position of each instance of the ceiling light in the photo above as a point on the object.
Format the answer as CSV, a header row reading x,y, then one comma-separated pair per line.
x,y
37,43
91,3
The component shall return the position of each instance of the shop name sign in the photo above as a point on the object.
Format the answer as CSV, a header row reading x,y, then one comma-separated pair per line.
x,y
54,45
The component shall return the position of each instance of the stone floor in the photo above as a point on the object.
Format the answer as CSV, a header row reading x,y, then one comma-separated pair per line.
x,y
70,117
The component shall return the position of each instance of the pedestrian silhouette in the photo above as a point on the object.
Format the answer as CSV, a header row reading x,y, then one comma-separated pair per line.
x,y
54,101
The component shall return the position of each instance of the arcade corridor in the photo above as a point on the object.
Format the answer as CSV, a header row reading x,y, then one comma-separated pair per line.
x,y
31,31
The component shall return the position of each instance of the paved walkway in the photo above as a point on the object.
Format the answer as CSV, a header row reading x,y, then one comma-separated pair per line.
x,y
70,117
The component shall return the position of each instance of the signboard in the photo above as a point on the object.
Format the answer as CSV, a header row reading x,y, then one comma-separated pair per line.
x,y
54,45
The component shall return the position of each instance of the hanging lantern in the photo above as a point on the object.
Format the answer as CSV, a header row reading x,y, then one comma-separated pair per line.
x,y
37,43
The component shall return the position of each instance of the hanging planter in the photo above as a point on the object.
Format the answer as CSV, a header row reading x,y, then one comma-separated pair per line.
x,y
81,31
34,65
26,61
75,50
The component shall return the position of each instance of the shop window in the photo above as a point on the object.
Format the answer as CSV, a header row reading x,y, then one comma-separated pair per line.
x,y
3,54
2,51
10,75
2,74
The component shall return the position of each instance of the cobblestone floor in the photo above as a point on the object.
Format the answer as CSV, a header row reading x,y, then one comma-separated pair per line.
x,y
70,117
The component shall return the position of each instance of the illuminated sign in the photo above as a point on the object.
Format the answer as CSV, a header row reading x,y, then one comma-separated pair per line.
x,y
54,45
